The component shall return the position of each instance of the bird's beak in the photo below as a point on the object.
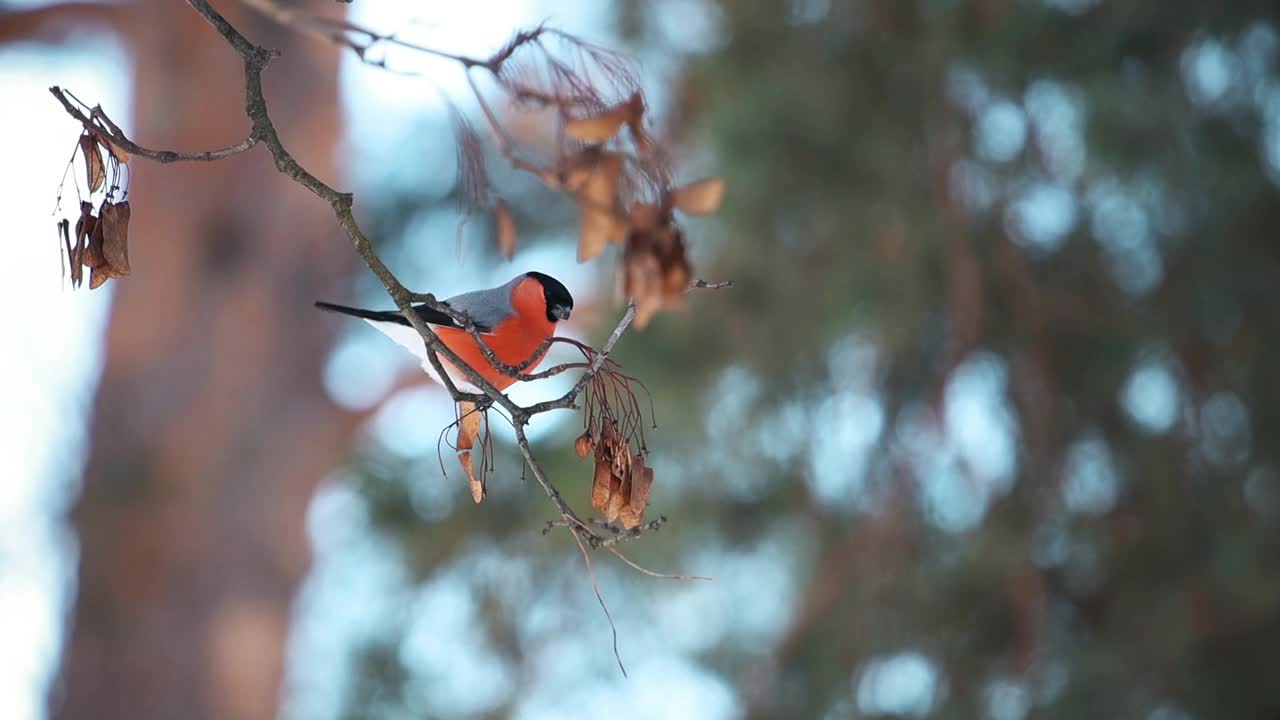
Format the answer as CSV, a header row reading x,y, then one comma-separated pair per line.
x,y
560,311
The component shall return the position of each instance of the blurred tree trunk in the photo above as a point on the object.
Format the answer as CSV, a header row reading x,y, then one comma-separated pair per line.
x,y
210,428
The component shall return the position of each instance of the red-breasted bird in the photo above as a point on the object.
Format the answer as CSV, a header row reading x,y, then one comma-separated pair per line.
x,y
514,319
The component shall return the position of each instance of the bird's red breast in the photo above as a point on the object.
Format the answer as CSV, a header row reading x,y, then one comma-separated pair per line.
x,y
513,340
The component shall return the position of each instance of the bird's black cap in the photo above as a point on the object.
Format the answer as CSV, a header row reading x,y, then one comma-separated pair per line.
x,y
559,301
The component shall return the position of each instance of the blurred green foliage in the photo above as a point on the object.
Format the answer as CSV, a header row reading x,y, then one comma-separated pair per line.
x,y
997,375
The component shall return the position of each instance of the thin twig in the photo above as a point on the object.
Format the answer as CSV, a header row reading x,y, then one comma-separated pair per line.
x,y
649,572
704,285
112,132
569,522
619,535
591,571
547,486
567,400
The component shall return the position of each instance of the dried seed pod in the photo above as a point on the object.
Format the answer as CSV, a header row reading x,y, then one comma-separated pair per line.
x,y
601,486
619,489
654,271
95,170
645,216
115,235
75,254
476,485
89,228
641,485
468,430
598,200
622,460
629,518
583,445
604,125
116,151
506,223
101,274
699,198
595,229
600,187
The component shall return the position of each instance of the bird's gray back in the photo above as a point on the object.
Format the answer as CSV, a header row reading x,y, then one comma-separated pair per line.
x,y
487,308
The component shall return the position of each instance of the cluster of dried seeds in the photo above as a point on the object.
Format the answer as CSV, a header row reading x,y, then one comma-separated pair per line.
x,y
622,481
101,240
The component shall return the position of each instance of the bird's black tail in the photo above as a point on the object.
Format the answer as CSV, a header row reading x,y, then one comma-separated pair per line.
x,y
384,316
435,317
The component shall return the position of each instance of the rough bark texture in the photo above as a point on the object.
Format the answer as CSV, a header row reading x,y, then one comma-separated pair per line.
x,y
210,427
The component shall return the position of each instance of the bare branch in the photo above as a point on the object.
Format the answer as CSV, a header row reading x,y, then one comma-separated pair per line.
x,y
567,400
339,31
549,487
255,60
619,534
105,128
703,284
587,557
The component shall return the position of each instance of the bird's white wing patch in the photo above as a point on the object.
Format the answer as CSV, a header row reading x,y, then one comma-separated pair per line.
x,y
409,339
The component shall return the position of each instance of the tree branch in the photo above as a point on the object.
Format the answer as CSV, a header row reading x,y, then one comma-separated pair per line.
x,y
255,59
102,126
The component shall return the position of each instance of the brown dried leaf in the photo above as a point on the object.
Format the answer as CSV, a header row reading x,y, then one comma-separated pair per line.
x,y
622,460
468,425
95,170
75,260
629,518
506,223
594,231
640,271
88,227
641,485
603,442
599,128
476,484
699,198
598,198
468,430
583,445
600,188
116,151
101,274
645,312
644,216
674,281
601,485
619,489
101,271
572,171
549,178
575,176
603,126
114,221
654,271
644,144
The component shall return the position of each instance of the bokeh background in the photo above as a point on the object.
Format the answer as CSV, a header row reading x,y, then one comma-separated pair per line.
x,y
985,428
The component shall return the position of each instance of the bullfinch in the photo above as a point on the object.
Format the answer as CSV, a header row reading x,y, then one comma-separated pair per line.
x,y
514,319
